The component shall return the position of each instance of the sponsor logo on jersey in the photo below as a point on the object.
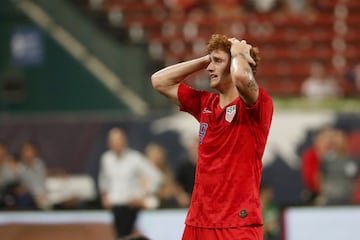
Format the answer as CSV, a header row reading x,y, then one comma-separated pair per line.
x,y
206,111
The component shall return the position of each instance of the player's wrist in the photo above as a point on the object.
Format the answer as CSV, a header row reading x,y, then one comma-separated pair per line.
x,y
239,54
206,58
204,61
241,58
244,57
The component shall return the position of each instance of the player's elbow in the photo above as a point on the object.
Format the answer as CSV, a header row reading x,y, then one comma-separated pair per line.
x,y
159,83
240,80
166,86
156,81
247,88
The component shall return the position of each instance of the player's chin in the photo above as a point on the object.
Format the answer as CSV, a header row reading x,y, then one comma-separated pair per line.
x,y
213,82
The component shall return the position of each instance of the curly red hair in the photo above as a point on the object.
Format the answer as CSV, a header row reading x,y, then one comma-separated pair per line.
x,y
221,42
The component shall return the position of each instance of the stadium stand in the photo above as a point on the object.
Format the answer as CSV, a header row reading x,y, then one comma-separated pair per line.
x,y
287,41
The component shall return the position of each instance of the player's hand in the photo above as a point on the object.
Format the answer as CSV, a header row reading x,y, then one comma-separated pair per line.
x,y
206,60
242,48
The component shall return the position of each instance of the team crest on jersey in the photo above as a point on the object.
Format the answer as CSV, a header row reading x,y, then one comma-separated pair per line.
x,y
230,113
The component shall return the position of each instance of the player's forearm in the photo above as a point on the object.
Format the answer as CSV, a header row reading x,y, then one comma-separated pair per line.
x,y
240,71
174,74
243,78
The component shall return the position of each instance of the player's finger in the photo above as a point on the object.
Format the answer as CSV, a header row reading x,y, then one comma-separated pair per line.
x,y
247,55
233,40
250,60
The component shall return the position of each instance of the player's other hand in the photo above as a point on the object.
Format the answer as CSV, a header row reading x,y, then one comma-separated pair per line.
x,y
242,48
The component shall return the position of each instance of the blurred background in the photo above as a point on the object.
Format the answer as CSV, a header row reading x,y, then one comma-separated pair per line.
x,y
71,70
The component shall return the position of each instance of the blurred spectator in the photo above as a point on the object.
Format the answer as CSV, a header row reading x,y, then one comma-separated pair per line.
x,y
156,154
299,6
319,84
353,76
263,6
270,213
14,194
183,8
185,176
33,174
3,157
310,163
226,8
122,171
9,170
339,172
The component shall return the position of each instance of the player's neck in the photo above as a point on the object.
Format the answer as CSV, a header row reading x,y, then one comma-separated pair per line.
x,y
227,97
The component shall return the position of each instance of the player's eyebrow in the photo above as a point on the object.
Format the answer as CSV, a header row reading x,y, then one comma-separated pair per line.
x,y
216,59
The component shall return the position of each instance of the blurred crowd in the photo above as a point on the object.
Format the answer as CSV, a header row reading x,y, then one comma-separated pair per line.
x,y
321,84
22,179
25,181
130,180
330,172
237,7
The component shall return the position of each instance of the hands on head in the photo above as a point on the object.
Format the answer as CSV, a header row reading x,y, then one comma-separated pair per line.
x,y
241,48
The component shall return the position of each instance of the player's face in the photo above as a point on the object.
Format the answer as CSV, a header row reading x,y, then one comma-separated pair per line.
x,y
219,68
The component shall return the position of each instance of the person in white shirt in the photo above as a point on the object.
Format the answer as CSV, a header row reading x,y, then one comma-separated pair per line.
x,y
126,181
33,174
319,85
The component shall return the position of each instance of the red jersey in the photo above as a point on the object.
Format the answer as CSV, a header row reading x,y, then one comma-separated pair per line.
x,y
229,167
310,168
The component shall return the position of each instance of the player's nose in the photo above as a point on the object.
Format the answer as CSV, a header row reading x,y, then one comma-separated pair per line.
x,y
210,67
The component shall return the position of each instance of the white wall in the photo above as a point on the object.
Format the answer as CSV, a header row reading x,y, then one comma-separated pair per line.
x,y
322,223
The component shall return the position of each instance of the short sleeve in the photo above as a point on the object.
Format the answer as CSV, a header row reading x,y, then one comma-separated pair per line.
x,y
190,100
262,110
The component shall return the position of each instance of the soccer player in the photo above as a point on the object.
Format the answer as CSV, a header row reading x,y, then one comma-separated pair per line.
x,y
234,126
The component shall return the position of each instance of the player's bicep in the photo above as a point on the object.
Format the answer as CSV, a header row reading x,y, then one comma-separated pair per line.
x,y
166,87
171,92
247,87
243,78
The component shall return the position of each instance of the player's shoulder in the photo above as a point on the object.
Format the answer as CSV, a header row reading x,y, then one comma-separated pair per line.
x,y
186,87
264,94
265,98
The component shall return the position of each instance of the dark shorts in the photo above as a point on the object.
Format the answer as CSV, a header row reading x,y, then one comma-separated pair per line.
x,y
124,219
237,233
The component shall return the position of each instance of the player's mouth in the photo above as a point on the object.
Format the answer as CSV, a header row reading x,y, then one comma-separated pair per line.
x,y
212,76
